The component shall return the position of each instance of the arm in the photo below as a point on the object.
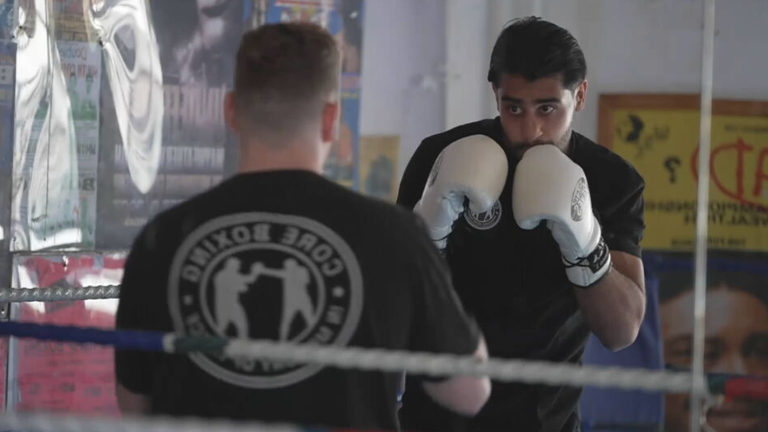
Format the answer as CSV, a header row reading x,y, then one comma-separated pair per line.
x,y
416,174
615,306
464,395
602,257
134,370
131,403
440,325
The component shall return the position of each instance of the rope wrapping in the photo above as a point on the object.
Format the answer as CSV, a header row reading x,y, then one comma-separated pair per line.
x,y
23,295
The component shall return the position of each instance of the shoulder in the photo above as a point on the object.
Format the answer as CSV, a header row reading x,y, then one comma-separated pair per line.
x,y
488,127
388,215
395,225
604,168
171,225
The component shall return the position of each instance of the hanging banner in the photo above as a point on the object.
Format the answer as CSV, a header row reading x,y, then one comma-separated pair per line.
x,y
7,79
7,74
81,66
46,189
658,135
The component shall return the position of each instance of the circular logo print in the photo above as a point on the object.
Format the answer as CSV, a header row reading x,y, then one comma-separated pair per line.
x,y
485,220
578,200
265,277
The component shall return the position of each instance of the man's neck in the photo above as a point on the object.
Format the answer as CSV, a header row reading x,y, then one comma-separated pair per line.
x,y
256,157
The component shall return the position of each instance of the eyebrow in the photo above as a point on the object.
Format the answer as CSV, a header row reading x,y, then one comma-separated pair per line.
x,y
537,101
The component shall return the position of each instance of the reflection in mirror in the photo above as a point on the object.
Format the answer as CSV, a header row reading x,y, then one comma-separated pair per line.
x,y
135,76
45,177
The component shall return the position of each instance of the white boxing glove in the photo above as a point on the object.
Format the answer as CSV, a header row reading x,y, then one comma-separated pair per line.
x,y
473,168
549,187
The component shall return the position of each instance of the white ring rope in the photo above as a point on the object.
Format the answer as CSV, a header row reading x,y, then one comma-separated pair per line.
x,y
63,423
526,371
22,295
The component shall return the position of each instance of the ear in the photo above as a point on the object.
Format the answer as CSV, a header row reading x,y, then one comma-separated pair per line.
x,y
230,112
330,126
581,95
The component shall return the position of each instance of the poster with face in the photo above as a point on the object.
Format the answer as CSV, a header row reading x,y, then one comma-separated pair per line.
x,y
343,19
736,344
736,333
193,45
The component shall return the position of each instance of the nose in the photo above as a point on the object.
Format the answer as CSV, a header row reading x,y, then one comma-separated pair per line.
x,y
531,129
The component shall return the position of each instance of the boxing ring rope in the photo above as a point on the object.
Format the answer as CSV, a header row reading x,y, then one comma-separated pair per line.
x,y
532,372
23,295
61,423
355,358
716,386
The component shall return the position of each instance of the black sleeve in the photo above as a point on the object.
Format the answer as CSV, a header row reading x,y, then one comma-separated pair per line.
x,y
624,223
135,370
440,324
416,173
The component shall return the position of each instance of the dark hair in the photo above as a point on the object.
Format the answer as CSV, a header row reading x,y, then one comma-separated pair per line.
x,y
284,75
536,49
751,279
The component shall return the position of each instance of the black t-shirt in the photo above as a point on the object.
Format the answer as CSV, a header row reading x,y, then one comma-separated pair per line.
x,y
514,283
290,256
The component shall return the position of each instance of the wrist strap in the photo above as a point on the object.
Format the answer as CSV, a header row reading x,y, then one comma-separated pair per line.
x,y
588,271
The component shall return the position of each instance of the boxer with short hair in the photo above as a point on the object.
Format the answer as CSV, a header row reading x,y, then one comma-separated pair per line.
x,y
557,255
278,252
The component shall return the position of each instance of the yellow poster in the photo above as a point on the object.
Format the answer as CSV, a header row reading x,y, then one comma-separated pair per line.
x,y
663,145
378,166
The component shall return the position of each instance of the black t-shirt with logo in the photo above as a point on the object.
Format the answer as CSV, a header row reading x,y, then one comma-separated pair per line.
x,y
287,256
513,282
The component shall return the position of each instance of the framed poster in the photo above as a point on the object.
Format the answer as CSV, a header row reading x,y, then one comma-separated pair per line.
x,y
344,20
378,166
56,376
196,47
659,136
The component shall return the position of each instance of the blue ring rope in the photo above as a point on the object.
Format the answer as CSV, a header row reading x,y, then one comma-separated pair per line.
x,y
151,341
121,339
